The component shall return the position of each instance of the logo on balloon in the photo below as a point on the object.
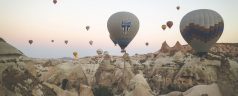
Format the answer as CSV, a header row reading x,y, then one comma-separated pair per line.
x,y
126,26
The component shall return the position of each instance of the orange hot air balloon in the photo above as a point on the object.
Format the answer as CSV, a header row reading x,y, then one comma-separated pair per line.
x,y
30,42
178,7
169,24
163,27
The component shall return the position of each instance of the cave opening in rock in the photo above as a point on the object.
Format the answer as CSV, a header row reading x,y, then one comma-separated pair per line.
x,y
64,83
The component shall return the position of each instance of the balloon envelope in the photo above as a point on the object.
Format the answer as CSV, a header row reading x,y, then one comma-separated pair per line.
x,y
146,43
123,27
91,42
66,41
201,29
30,42
169,24
54,1
178,7
163,27
87,28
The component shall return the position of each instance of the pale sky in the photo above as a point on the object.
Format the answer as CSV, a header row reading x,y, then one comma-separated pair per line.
x,y
41,21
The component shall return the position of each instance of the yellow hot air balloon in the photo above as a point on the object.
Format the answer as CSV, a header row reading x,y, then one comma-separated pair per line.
x,y
163,27
75,55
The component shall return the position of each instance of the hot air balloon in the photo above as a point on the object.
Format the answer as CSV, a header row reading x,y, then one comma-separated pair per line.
x,y
54,1
201,29
91,42
30,42
146,43
178,7
52,41
169,24
163,27
113,40
66,41
123,27
99,51
87,28
75,55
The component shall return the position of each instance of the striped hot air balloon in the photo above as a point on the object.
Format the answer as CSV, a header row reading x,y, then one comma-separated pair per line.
x,y
201,29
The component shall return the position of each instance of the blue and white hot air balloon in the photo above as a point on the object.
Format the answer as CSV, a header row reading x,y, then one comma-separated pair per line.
x,y
123,27
201,29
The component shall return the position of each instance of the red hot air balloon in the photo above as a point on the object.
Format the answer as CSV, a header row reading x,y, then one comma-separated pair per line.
x,y
169,24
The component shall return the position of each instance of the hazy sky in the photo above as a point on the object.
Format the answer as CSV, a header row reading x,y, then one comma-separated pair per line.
x,y
41,21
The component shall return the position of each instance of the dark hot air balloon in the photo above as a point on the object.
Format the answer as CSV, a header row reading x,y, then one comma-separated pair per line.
x,y
30,42
169,24
87,28
201,29
178,7
54,1
146,43
91,42
66,41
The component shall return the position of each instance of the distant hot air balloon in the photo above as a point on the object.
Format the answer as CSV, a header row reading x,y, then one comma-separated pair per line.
x,y
30,42
123,27
201,29
163,27
178,7
169,24
146,43
52,41
99,51
75,55
54,1
66,41
87,28
91,42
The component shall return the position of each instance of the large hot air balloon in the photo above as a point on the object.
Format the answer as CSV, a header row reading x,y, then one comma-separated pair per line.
x,y
123,27
30,42
163,27
201,29
91,42
54,1
146,43
66,41
169,24
87,28
178,7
